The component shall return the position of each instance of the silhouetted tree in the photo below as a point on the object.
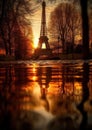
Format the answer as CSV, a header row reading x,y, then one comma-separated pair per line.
x,y
65,23
85,88
23,46
13,13
85,28
90,23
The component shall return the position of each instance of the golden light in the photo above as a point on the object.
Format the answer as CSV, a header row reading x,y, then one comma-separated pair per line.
x,y
78,88
43,46
34,70
34,78
35,42
36,90
78,38
43,86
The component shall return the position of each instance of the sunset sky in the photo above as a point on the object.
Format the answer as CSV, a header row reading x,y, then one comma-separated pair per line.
x,y
36,19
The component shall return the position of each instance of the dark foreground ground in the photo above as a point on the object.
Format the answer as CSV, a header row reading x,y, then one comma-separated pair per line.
x,y
34,120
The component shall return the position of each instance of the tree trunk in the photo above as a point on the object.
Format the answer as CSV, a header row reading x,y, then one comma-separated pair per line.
x,y
85,27
3,9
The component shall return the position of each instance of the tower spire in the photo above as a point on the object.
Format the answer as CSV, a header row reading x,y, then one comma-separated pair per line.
x,y
43,31
43,40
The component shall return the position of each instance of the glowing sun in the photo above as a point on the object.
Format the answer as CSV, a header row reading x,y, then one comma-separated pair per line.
x,y
35,42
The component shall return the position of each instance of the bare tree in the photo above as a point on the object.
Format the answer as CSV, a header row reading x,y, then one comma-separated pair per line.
x,y
14,13
64,24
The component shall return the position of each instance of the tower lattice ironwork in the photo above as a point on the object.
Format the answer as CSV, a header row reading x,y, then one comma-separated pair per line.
x,y
43,35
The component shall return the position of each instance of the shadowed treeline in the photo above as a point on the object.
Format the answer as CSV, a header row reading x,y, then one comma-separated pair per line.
x,y
15,28
65,23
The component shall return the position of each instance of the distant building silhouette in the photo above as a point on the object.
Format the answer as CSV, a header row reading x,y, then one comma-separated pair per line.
x,y
43,45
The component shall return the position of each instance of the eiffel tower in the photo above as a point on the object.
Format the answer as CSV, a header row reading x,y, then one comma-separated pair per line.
x,y
43,40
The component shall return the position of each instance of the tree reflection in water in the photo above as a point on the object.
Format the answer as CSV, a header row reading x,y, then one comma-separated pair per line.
x,y
44,97
85,89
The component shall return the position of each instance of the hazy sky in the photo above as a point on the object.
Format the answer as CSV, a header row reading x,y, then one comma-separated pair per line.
x,y
36,19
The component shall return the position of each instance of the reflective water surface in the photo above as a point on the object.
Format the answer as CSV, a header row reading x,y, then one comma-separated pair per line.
x,y
46,95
